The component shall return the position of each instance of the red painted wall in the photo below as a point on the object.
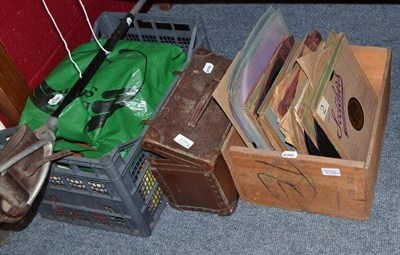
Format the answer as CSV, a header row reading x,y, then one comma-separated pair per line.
x,y
28,35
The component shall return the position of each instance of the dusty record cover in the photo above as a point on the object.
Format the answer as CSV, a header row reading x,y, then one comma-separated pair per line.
x,y
346,107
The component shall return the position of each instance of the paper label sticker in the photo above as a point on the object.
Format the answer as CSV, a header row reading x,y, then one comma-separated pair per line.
x,y
129,21
2,126
289,154
208,68
323,108
184,141
56,99
330,171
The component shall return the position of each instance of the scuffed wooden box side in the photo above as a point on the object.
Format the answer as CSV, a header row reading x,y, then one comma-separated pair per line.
x,y
377,65
264,177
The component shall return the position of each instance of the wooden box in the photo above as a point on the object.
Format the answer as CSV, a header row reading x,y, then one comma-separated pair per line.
x,y
265,177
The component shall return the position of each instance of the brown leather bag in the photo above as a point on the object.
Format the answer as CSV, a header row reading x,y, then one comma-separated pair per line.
x,y
22,182
186,137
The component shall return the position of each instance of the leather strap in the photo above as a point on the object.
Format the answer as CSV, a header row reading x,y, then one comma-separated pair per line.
x,y
36,165
203,103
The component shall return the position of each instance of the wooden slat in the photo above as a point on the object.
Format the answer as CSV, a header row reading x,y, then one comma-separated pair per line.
x,y
13,89
378,132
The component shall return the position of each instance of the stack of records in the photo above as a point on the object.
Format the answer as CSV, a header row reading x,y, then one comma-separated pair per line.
x,y
310,96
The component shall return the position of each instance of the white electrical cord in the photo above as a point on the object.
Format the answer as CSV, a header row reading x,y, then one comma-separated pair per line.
x,y
65,43
91,29
62,38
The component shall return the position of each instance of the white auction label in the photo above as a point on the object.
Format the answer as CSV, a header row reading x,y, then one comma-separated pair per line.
x,y
330,171
184,141
208,68
56,99
289,154
323,108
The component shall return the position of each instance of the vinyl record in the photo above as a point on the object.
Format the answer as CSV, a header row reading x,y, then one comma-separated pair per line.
x,y
325,146
311,148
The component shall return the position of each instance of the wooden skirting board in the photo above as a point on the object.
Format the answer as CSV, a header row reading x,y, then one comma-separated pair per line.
x,y
13,89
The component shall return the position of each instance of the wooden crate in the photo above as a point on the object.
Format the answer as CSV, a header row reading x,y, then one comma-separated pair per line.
x,y
264,177
165,6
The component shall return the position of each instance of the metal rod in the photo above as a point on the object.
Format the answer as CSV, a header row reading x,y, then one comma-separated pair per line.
x,y
138,6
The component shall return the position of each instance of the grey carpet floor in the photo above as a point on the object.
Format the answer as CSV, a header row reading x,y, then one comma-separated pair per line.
x,y
256,229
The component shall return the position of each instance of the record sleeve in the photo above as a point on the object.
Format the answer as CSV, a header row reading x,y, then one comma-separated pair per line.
x,y
346,104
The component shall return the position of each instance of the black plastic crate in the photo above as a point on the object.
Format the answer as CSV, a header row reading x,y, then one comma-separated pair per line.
x,y
117,192
188,33
113,193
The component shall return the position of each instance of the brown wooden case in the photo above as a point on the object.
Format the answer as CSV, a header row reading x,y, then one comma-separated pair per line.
x,y
188,133
210,192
